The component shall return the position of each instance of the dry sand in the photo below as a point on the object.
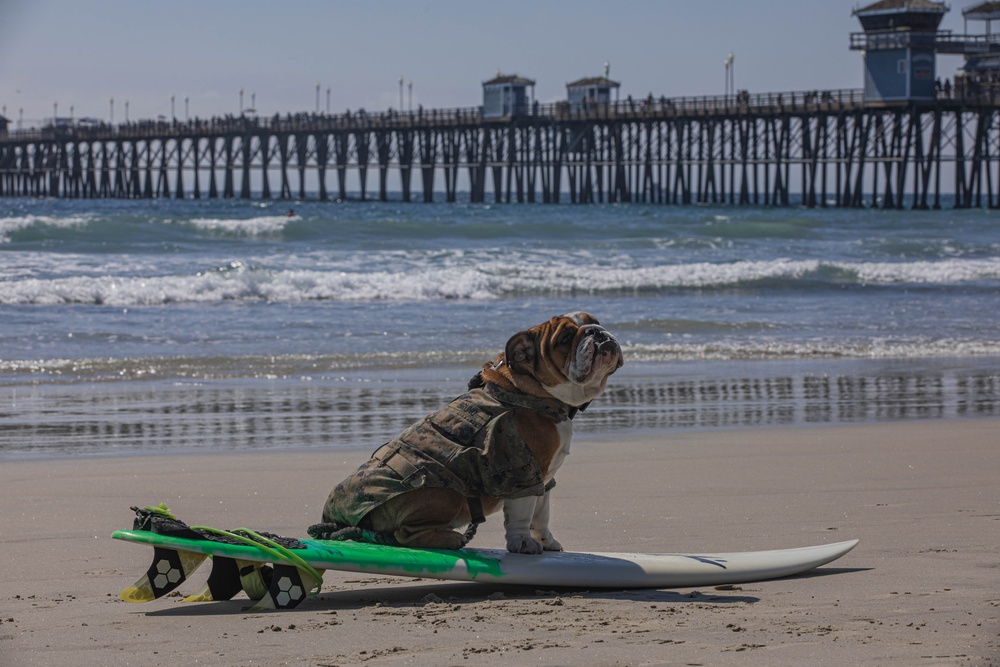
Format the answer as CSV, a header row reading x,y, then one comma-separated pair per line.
x,y
922,588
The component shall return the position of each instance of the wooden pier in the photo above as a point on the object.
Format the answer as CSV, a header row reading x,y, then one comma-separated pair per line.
x,y
823,148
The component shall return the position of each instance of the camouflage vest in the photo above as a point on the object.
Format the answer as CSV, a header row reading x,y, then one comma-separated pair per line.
x,y
471,446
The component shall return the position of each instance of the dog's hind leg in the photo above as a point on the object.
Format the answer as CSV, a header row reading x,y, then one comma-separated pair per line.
x,y
421,537
423,519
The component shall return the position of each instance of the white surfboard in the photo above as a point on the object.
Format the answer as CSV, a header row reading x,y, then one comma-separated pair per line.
x,y
638,570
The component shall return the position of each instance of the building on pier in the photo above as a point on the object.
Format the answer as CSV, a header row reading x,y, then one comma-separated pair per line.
x,y
591,92
899,45
507,95
980,76
984,11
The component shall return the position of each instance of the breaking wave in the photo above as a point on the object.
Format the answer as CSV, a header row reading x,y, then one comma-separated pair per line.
x,y
260,226
14,224
472,277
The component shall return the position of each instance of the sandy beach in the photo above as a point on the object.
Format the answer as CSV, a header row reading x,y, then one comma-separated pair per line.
x,y
922,588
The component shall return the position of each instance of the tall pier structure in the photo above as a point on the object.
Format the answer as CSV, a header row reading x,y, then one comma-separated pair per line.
x,y
903,140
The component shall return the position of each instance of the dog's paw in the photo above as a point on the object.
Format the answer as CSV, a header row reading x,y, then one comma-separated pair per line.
x,y
449,539
550,543
523,544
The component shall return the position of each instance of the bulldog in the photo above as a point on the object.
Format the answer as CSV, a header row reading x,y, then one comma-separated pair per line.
x,y
498,446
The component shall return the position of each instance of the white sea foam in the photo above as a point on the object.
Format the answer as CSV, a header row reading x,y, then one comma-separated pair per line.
x,y
259,226
945,272
464,278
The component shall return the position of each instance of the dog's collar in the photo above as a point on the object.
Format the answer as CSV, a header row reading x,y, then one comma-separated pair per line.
x,y
551,407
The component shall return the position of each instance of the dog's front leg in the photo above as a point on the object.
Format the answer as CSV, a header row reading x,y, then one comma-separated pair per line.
x,y
540,525
518,514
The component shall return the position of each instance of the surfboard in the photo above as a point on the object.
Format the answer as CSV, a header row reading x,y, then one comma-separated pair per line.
x,y
279,573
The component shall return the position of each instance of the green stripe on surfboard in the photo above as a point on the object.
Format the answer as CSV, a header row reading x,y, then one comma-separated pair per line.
x,y
364,557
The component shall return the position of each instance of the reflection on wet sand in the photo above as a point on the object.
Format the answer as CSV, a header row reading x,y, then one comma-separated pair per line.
x,y
783,401
127,417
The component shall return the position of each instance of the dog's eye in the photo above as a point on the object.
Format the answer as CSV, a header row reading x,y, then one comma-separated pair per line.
x,y
566,339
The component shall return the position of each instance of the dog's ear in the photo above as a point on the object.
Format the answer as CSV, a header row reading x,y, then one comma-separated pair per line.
x,y
477,381
521,351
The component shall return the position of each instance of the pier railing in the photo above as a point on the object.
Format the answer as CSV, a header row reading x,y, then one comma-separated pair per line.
x,y
941,41
630,109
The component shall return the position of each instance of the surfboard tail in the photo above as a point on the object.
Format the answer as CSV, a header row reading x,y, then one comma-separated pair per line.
x,y
283,586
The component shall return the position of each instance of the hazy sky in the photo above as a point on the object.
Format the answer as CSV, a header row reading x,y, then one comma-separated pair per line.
x,y
81,53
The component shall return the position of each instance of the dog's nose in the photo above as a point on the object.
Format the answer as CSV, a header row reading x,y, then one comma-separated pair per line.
x,y
605,343
599,335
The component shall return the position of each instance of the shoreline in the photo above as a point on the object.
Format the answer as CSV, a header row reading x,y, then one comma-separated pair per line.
x,y
919,589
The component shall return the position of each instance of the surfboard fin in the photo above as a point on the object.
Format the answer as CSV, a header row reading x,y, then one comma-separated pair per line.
x,y
223,582
169,570
255,578
229,576
288,587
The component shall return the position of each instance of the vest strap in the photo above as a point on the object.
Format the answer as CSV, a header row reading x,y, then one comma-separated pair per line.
x,y
476,510
388,455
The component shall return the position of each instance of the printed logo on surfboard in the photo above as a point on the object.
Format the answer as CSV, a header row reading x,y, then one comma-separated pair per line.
x,y
710,560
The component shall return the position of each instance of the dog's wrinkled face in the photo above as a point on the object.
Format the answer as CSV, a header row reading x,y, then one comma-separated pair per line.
x,y
571,356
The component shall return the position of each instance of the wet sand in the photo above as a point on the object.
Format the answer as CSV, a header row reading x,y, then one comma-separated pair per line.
x,y
922,588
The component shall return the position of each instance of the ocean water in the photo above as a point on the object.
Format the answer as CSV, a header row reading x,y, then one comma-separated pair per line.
x,y
165,325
